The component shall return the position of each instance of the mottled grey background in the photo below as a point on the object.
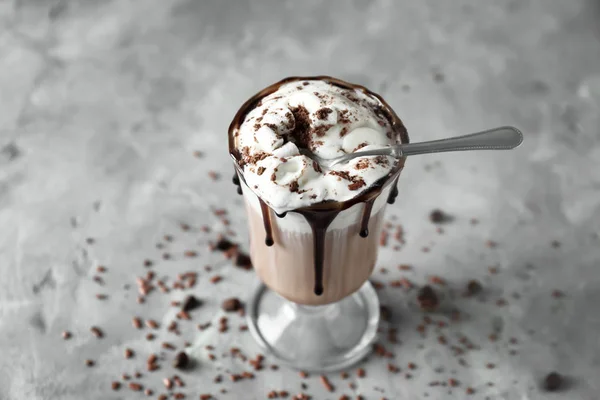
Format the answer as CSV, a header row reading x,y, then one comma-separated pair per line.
x,y
102,104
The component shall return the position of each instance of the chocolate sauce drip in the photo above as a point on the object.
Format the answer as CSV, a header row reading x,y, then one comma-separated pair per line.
x,y
267,222
319,221
236,182
393,192
364,223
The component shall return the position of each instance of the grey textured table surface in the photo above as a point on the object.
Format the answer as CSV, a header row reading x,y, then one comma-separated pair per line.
x,y
103,104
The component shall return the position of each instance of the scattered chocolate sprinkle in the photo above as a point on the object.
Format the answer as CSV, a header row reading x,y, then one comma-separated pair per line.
x,y
243,261
89,363
392,368
213,175
303,374
181,360
427,298
553,382
148,392
178,381
183,315
328,386
137,323
66,335
437,216
491,244
473,287
115,385
386,313
136,387
129,353
150,336
190,254
190,303
223,244
179,396
147,263
125,377
437,280
361,373
470,391
216,279
97,332
232,304
152,324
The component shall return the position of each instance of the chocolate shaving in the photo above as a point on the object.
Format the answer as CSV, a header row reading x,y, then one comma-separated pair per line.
x,y
322,113
357,184
301,131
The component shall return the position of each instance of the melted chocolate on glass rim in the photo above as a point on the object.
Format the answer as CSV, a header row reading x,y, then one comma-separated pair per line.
x,y
319,216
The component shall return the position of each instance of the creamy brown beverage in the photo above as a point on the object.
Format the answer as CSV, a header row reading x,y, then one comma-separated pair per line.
x,y
314,233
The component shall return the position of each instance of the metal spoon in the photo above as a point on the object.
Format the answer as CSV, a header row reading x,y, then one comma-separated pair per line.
x,y
503,138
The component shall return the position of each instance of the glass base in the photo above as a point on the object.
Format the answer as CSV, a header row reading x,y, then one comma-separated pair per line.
x,y
315,338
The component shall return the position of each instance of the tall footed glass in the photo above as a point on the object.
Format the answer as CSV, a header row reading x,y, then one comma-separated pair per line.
x,y
315,309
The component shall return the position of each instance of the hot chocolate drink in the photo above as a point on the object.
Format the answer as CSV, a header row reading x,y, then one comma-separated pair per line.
x,y
314,231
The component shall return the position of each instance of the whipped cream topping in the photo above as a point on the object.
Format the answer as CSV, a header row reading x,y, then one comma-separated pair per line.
x,y
328,120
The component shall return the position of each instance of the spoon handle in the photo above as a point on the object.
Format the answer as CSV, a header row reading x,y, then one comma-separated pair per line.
x,y
503,138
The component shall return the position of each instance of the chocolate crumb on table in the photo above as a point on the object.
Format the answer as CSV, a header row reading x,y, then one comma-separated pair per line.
x,y
473,288
437,216
128,353
97,332
181,360
136,387
427,298
243,261
553,382
190,303
325,381
232,304
66,335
